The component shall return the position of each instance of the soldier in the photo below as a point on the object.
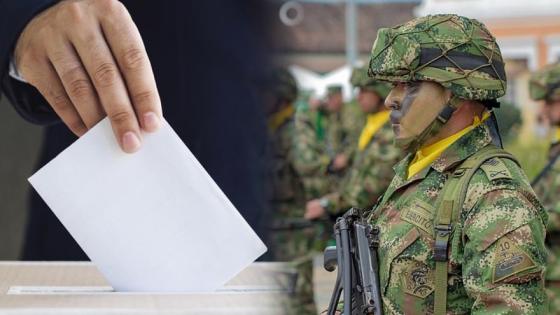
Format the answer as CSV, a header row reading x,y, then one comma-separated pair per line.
x,y
545,86
353,119
338,135
312,160
375,154
287,243
460,228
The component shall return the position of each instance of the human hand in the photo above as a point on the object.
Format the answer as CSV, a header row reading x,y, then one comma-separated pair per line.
x,y
340,162
314,210
86,57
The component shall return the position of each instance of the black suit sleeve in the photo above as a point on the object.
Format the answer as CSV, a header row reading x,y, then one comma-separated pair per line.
x,y
14,16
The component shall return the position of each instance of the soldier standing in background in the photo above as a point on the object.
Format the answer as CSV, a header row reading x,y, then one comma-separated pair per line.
x,y
287,243
373,158
460,228
545,86
337,135
353,120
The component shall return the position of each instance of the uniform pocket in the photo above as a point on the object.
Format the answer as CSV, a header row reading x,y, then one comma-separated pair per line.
x,y
394,253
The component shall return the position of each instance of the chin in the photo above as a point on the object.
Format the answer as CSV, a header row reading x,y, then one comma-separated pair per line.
x,y
396,130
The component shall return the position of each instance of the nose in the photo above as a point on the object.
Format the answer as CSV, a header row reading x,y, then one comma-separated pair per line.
x,y
392,103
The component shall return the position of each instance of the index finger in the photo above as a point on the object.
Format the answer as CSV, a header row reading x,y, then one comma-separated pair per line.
x,y
127,46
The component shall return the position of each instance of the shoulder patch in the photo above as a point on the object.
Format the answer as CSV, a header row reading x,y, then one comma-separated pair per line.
x,y
418,280
496,169
509,260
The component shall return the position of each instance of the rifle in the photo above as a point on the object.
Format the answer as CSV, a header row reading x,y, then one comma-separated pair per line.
x,y
355,254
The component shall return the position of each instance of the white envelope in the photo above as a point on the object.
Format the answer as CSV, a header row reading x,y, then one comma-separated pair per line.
x,y
150,221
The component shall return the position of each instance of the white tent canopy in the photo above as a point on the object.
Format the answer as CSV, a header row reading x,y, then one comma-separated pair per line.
x,y
310,80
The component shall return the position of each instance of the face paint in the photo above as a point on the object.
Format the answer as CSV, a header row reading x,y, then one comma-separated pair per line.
x,y
414,109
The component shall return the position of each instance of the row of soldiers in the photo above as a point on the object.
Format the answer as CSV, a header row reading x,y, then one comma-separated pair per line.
x,y
328,156
461,228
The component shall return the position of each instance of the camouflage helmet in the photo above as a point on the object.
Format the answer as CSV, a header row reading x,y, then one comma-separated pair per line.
x,y
545,83
360,79
284,85
454,51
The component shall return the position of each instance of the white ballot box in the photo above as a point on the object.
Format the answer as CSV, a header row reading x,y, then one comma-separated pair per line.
x,y
79,288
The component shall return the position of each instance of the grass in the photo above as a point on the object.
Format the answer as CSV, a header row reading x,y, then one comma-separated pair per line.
x,y
532,155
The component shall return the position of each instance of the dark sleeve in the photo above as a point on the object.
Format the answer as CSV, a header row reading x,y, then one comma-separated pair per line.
x,y
14,16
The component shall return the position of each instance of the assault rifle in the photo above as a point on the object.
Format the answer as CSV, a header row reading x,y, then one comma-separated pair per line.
x,y
355,254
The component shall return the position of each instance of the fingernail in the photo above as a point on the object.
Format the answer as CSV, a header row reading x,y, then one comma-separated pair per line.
x,y
130,142
151,121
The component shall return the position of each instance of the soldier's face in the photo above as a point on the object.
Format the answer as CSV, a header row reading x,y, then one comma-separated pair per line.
x,y
552,111
369,101
334,102
414,106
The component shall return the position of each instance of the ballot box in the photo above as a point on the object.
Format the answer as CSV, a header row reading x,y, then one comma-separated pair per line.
x,y
79,288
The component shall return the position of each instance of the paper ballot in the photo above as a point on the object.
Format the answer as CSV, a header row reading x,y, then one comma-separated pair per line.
x,y
151,221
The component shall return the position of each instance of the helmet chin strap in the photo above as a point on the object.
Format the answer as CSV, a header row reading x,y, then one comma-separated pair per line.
x,y
412,144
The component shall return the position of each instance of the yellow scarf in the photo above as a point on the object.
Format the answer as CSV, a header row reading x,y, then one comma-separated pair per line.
x,y
278,118
373,124
426,155
556,136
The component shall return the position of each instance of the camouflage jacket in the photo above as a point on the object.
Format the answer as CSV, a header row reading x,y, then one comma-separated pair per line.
x,y
287,188
353,120
370,173
336,134
496,253
547,189
310,157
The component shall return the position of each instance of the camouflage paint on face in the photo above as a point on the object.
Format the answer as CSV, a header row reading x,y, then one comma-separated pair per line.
x,y
414,106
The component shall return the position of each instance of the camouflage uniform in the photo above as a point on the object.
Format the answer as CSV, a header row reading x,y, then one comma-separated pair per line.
x,y
341,127
370,173
545,84
498,213
371,169
353,120
311,160
289,244
493,246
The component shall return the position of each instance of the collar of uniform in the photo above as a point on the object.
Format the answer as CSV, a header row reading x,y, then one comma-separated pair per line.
x,y
463,148
401,170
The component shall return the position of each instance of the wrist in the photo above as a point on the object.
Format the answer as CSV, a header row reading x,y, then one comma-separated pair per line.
x,y
326,204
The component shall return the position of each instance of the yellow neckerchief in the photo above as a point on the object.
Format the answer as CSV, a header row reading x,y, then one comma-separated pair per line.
x,y
278,118
373,124
426,155
556,136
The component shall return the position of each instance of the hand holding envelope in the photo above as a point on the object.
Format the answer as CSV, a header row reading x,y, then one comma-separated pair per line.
x,y
150,221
